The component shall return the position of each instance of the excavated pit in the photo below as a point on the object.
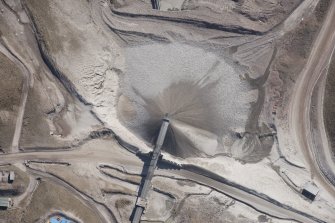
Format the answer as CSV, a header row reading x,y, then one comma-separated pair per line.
x,y
207,99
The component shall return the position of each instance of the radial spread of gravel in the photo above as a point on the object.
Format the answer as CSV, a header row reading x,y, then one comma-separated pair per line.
x,y
203,95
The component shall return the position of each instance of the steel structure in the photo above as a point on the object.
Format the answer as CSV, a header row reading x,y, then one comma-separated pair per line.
x,y
142,198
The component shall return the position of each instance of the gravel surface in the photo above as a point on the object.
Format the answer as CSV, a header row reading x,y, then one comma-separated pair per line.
x,y
205,97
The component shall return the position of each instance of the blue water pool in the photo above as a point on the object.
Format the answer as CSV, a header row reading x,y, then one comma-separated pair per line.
x,y
59,219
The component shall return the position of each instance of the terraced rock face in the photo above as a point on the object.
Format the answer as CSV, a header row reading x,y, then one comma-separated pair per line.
x,y
205,96
208,97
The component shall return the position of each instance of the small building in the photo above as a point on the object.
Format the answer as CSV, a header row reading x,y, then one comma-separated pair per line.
x,y
310,191
11,177
5,202
4,176
7,176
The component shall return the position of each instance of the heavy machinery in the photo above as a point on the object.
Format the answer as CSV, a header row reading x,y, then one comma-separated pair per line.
x,y
155,4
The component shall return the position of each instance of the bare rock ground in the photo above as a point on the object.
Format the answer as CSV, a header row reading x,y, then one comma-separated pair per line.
x,y
204,95
52,117
329,106
95,69
11,87
56,199
296,46
173,200
109,63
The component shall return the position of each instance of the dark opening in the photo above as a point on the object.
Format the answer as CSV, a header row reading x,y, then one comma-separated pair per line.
x,y
308,194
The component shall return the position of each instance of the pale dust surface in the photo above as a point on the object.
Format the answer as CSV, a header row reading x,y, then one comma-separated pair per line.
x,y
201,92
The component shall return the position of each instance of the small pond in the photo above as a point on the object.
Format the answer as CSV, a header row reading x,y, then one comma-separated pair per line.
x,y
59,219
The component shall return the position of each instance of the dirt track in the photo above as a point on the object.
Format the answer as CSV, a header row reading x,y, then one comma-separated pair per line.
x,y
104,214
24,96
300,127
120,157
301,100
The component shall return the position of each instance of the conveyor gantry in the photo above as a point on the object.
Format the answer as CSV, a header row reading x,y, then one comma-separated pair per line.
x,y
142,198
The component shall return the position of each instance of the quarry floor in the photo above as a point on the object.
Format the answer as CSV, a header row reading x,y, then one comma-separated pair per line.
x,y
84,85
